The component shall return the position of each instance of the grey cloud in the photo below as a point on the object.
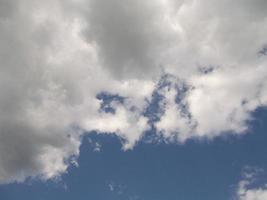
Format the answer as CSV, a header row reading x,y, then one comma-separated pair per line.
x,y
129,35
56,56
23,145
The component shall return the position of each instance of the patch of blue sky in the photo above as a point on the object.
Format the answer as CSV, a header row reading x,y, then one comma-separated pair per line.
x,y
196,170
107,99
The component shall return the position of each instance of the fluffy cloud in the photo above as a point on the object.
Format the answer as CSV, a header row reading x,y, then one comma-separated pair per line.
x,y
247,192
58,56
50,78
252,194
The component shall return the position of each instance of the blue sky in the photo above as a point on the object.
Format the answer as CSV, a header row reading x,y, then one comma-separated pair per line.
x,y
196,170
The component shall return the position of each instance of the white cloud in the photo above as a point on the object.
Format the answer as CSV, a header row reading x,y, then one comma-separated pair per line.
x,y
252,194
175,123
95,145
247,192
117,188
57,56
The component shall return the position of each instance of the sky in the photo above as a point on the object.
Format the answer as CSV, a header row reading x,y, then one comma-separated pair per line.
x,y
162,99
196,170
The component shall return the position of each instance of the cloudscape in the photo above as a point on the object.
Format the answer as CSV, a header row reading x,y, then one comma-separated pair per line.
x,y
164,74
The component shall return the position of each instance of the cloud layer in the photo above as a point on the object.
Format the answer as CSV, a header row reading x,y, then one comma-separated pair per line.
x,y
200,66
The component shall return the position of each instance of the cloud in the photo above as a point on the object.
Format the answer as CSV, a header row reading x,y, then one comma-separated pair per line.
x,y
252,194
58,57
50,79
129,35
95,145
246,190
117,188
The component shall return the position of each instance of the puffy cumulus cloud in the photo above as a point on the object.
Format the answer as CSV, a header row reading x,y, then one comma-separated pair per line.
x,y
252,194
50,78
228,95
58,56
129,35
32,143
220,55
246,190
